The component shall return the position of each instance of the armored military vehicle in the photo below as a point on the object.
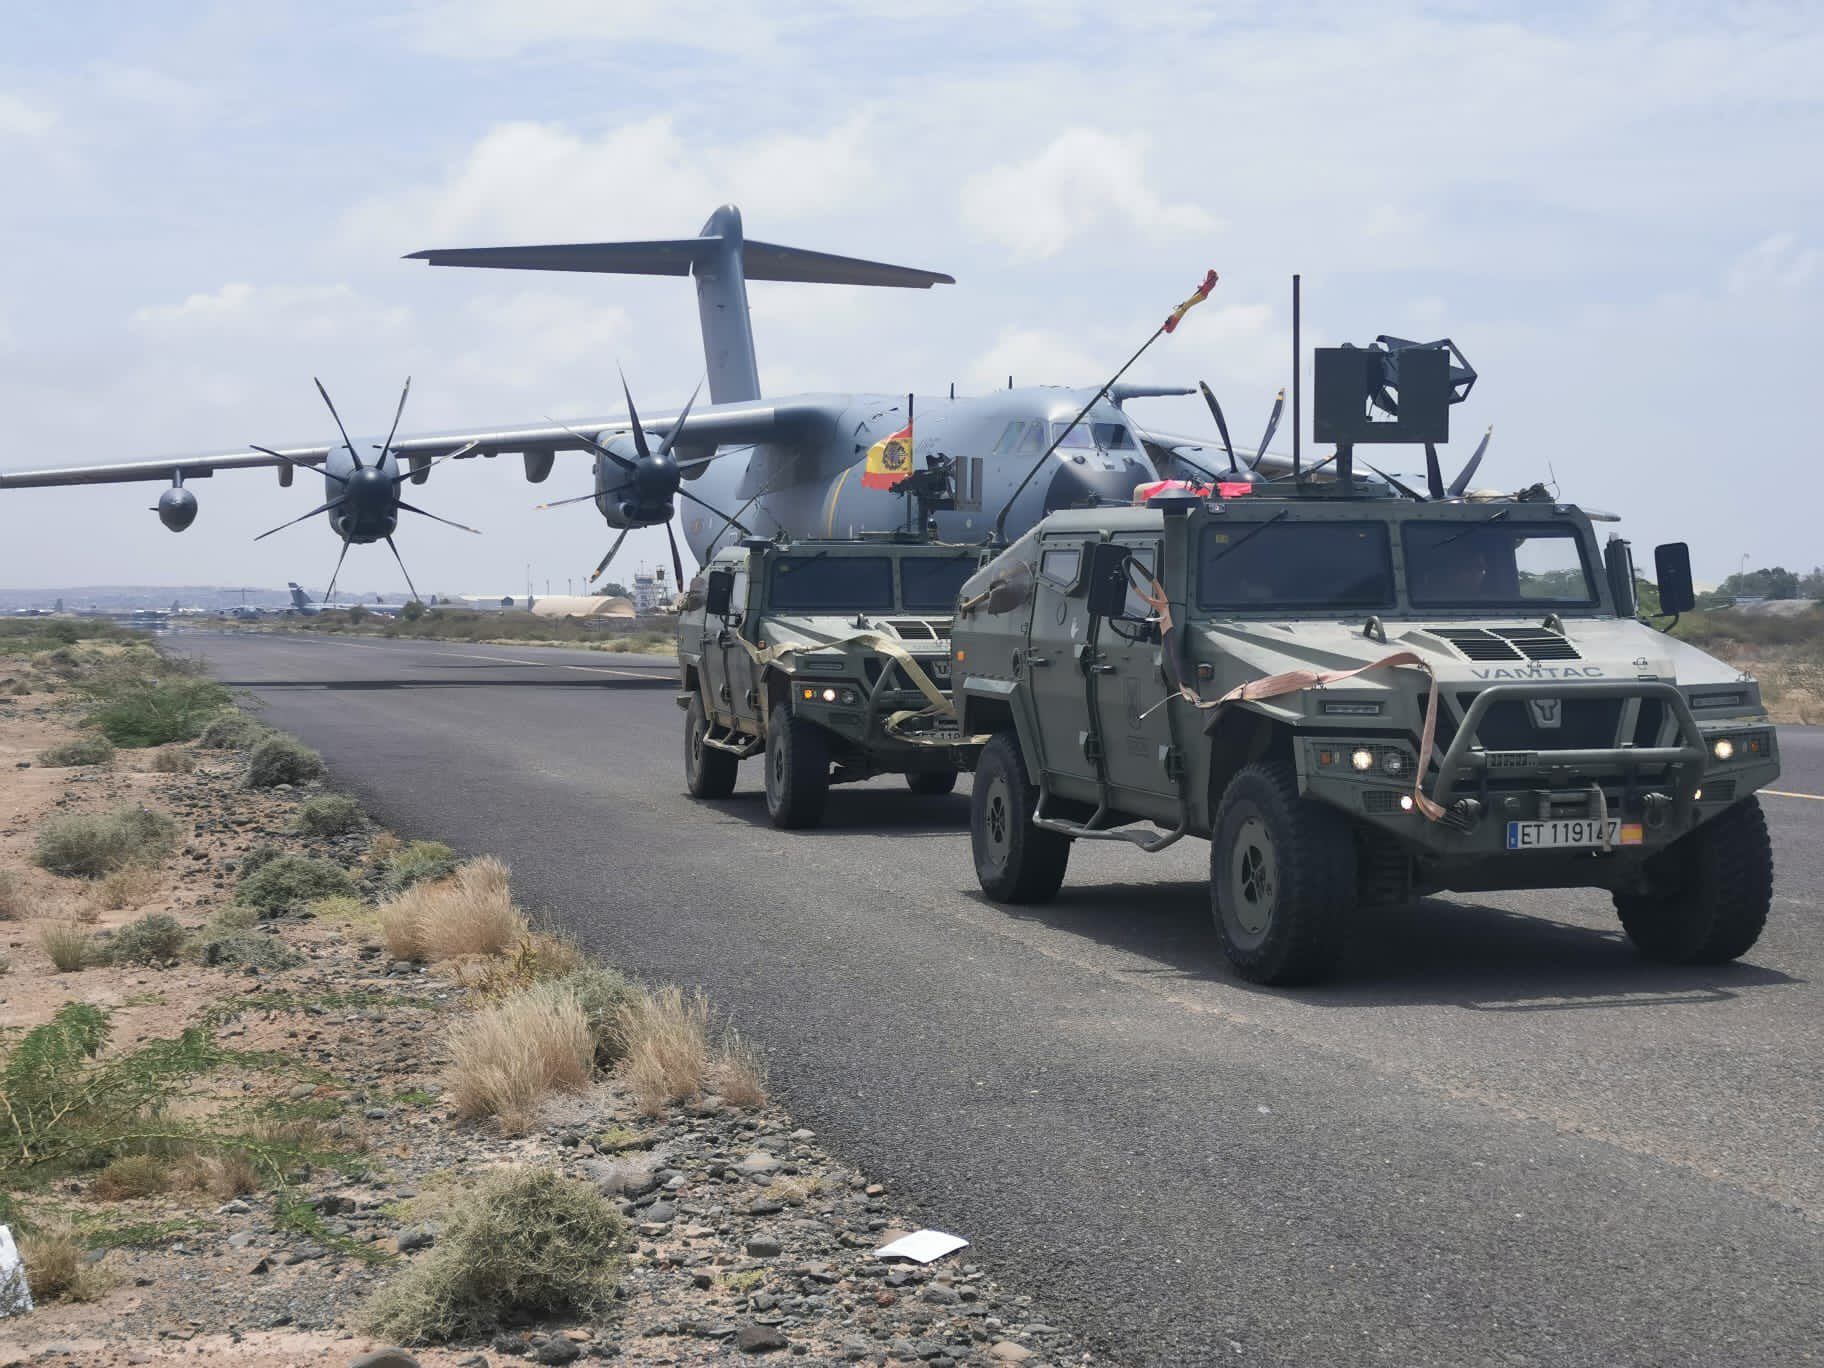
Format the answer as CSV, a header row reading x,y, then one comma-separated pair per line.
x,y
831,659
1358,697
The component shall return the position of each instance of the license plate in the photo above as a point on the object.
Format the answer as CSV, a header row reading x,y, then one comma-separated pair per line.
x,y
1573,832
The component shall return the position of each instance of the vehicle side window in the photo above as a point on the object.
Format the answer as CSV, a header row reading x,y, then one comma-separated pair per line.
x,y
1062,566
737,597
1146,558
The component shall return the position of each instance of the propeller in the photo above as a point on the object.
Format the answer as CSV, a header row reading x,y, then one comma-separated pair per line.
x,y
369,492
1434,477
1222,426
1279,405
1461,483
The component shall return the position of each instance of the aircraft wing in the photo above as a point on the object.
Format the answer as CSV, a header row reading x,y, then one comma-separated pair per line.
x,y
710,426
1207,455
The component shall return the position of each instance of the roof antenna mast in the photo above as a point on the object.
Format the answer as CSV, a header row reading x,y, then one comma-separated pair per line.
x,y
1297,425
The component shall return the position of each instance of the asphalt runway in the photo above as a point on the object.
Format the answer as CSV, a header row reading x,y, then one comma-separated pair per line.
x,y
1496,1138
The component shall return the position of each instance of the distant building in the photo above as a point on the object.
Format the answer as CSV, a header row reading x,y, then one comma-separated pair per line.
x,y
651,592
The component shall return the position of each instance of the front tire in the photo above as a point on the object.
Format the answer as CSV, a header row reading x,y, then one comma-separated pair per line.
x,y
933,784
1709,892
797,770
708,772
1015,861
1282,878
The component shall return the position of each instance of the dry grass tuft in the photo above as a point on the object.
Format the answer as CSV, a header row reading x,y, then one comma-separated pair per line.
x,y
173,760
666,1035
223,1176
505,1058
57,1268
133,886
132,1175
15,895
471,914
738,1073
68,945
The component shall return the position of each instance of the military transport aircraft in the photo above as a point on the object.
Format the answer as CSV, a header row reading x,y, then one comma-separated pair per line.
x,y
806,464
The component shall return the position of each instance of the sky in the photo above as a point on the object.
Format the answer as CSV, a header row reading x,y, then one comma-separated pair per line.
x,y
1617,212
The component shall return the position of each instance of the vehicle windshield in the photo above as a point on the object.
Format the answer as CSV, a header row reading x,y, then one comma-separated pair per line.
x,y
1275,564
930,585
822,583
1496,563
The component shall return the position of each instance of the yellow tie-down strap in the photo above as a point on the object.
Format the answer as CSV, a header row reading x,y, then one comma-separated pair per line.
x,y
1297,681
940,704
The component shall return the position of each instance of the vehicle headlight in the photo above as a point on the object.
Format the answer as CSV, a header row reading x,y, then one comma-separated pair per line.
x,y
1723,748
1362,759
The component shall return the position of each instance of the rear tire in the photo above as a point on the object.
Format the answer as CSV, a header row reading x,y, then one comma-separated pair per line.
x,y
797,770
1282,878
1710,892
933,784
1015,861
708,772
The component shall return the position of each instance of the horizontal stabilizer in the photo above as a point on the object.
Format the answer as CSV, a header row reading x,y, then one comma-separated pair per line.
x,y
676,257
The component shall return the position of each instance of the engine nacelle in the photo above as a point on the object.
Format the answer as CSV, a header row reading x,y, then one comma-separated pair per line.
x,y
176,508
637,493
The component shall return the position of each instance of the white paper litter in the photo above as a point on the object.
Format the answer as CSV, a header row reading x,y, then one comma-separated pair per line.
x,y
15,1296
922,1246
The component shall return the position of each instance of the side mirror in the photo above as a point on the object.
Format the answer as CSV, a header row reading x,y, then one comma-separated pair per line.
x,y
1107,595
1672,565
719,592
1618,561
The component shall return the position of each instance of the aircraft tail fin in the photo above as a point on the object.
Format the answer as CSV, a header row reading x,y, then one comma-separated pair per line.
x,y
722,260
299,599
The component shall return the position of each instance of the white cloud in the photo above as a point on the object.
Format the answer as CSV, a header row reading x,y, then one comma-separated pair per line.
x,y
149,90
21,119
1083,180
1776,262
492,29
1035,356
307,313
530,181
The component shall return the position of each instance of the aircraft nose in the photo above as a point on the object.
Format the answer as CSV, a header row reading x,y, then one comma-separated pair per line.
x,y
1087,481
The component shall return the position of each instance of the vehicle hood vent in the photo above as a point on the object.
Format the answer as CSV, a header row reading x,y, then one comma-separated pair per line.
x,y
1508,643
915,629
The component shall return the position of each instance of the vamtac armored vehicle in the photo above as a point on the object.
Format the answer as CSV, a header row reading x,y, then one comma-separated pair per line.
x,y
1358,697
829,658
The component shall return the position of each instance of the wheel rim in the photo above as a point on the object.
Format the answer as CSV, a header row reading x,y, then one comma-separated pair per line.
x,y
1253,881
693,747
997,823
776,762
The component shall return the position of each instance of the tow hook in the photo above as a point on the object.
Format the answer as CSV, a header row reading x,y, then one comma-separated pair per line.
x,y
1658,806
1464,813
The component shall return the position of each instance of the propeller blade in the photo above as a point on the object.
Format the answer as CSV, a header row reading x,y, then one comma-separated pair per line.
x,y
1461,483
603,564
1407,490
1222,425
728,519
678,426
323,508
293,460
1279,404
592,444
401,560
408,472
394,432
639,435
559,503
339,428
677,561
330,592
1434,477
413,508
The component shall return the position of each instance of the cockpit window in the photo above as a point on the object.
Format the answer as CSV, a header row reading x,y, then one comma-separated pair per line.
x,y
1114,437
1496,563
1079,436
822,583
1277,564
930,585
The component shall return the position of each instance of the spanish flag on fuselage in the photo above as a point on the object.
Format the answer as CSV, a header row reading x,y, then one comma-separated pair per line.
x,y
889,460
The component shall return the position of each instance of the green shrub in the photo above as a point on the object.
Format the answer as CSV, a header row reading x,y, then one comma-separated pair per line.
x,y
330,815
523,1243
415,863
604,994
262,854
89,847
156,939
146,710
93,749
231,731
282,760
243,949
290,881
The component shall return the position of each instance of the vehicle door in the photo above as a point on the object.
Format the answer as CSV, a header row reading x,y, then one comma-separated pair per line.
x,y
1131,684
738,690
1053,663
